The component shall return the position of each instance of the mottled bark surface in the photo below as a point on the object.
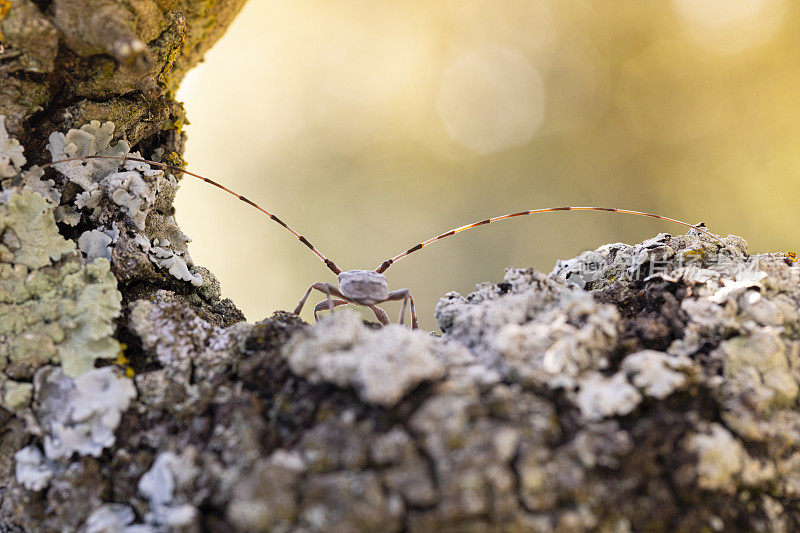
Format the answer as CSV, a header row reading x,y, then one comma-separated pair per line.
x,y
68,62
635,388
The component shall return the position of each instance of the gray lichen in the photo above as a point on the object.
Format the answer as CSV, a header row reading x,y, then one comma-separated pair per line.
x,y
91,139
600,397
11,153
114,518
95,244
129,191
32,470
80,415
170,260
650,387
12,159
135,191
657,374
633,400
59,310
158,485
382,365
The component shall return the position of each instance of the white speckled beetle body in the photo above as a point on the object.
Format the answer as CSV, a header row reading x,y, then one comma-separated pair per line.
x,y
365,287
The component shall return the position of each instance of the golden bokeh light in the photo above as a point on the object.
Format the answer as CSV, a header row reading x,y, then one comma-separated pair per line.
x,y
731,26
491,99
369,126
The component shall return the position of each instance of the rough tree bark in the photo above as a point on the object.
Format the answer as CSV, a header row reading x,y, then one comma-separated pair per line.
x,y
648,387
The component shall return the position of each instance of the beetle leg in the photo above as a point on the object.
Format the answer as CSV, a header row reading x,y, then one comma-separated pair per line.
x,y
303,301
405,295
327,304
331,305
414,323
380,314
325,288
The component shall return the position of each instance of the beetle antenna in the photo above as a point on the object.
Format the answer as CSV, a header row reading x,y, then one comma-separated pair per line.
x,y
389,262
330,264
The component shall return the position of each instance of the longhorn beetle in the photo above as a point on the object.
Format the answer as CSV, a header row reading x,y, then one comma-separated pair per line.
x,y
369,287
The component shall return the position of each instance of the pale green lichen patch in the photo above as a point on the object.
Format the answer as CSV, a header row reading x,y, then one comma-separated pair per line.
x,y
760,364
13,394
52,307
30,237
65,314
89,329
721,458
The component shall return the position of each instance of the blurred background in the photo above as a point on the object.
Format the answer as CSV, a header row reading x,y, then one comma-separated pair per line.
x,y
370,126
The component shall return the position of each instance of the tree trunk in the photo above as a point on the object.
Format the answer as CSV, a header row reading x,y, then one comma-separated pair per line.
x,y
648,387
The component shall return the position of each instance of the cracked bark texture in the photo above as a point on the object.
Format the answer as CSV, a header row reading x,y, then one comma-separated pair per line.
x,y
68,62
635,388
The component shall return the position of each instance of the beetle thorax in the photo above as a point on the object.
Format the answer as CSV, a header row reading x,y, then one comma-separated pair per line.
x,y
364,287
